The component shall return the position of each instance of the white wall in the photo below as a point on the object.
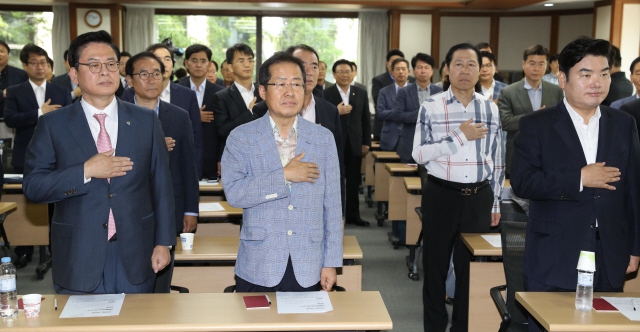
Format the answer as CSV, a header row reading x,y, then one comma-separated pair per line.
x,y
415,34
518,33
603,23
630,37
455,30
84,28
571,27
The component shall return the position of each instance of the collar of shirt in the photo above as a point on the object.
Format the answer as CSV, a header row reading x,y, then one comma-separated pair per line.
x,y
528,86
393,79
157,109
165,95
35,86
309,113
577,118
247,95
489,92
276,130
199,88
427,88
110,122
399,87
344,95
452,97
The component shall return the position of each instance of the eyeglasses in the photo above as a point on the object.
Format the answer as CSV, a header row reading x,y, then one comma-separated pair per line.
x,y
488,66
36,64
145,75
343,72
282,86
198,61
96,67
242,61
538,64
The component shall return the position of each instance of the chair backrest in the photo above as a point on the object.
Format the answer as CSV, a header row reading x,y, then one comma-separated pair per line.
x,y
513,236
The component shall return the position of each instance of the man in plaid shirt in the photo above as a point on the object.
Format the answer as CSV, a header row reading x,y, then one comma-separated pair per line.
x,y
459,140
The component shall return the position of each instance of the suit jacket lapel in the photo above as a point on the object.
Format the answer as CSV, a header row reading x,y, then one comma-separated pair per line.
x,y
523,96
237,97
546,95
126,128
567,132
79,130
304,139
31,95
267,141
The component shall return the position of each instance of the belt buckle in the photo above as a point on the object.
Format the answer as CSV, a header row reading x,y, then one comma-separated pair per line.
x,y
465,192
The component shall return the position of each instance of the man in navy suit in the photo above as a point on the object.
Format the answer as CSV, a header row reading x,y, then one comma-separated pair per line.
x,y
390,134
8,76
65,81
196,60
144,75
233,106
408,101
578,163
314,107
177,95
634,75
25,103
104,164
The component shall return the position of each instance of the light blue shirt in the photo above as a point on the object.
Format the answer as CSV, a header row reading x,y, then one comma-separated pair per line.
x,y
198,90
535,95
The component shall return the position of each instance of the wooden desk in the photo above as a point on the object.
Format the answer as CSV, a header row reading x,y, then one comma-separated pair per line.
x,y
212,312
397,190
12,186
413,187
210,187
381,176
228,212
557,312
221,253
29,224
482,277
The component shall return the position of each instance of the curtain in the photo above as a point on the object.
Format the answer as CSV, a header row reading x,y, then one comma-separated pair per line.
x,y
60,37
138,29
372,50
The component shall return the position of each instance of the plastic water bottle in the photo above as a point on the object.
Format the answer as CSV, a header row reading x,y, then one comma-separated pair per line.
x,y
8,294
584,291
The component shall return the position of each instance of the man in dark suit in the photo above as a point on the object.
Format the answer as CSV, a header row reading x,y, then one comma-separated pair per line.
x,y
633,108
177,95
577,162
8,76
353,107
65,81
144,75
196,60
354,73
105,165
390,134
212,74
25,103
620,87
380,82
314,108
227,74
233,106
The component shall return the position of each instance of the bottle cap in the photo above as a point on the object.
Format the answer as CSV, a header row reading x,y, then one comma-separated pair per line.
x,y
6,260
587,261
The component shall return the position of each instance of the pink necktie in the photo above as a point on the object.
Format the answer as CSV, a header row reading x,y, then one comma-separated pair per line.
x,y
104,145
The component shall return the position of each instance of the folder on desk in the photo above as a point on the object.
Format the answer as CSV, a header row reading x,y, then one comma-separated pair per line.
x,y
256,302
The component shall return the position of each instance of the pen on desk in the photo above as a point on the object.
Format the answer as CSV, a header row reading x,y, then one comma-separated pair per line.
x,y
55,304
268,300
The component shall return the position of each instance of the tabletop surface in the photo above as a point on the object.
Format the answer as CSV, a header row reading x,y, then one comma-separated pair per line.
x,y
212,312
385,155
479,246
557,312
7,206
210,187
228,211
225,248
413,183
400,168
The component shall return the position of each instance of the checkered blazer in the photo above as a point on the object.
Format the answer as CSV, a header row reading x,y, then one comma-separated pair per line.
x,y
304,222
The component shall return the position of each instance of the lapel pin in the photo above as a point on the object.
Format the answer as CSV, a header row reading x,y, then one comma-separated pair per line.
x,y
128,123
353,93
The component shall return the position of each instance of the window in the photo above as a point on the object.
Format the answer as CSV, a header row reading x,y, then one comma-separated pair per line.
x,y
20,28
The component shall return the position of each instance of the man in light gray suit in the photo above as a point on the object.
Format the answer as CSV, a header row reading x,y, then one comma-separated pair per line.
x,y
283,171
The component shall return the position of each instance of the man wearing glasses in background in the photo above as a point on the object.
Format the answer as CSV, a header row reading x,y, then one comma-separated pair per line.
x,y
24,104
271,167
104,164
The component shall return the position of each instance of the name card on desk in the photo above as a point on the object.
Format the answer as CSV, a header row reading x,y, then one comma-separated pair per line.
x,y
303,302
494,240
93,305
210,207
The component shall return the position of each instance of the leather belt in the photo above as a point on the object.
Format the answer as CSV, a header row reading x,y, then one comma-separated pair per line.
x,y
465,189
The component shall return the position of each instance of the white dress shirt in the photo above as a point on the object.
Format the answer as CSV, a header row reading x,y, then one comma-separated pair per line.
x,y
247,95
309,113
344,95
199,90
488,93
110,123
587,133
165,95
39,92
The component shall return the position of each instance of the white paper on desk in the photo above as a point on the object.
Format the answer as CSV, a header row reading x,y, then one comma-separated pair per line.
x,y
13,176
303,302
93,306
210,207
625,306
206,183
493,239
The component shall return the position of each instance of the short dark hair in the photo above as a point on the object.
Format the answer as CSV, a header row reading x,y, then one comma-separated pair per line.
x,y
158,46
65,55
458,47
535,50
633,64
195,48
215,64
489,56
426,58
124,53
354,67
180,73
482,45
340,62
50,61
615,55
264,72
554,57
304,47
576,50
393,52
397,61
3,43
128,68
78,45
240,47
29,49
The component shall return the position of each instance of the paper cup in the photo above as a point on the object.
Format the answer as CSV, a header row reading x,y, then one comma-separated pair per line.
x,y
31,304
587,261
187,241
